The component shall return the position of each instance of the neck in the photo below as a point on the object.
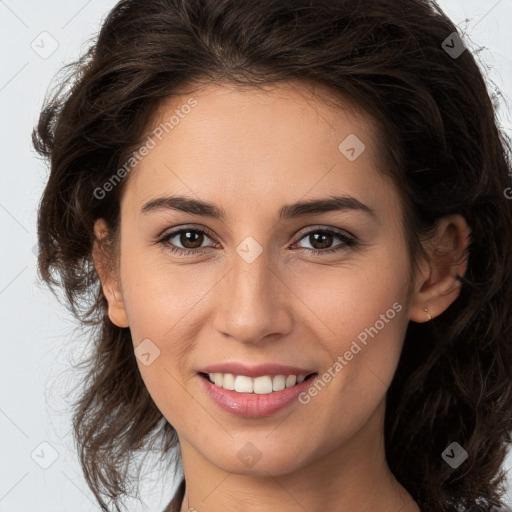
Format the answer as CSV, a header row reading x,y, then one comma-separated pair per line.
x,y
394,498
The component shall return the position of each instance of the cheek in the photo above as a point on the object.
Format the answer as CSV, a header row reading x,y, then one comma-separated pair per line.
x,y
159,304
363,313
367,330
345,300
361,363
161,296
159,323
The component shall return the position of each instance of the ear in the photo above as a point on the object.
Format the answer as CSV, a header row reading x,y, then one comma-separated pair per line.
x,y
436,285
105,266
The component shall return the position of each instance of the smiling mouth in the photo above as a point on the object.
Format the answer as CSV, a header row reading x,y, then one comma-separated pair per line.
x,y
265,384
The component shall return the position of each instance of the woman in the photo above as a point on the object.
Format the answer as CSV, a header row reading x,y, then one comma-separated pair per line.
x,y
202,144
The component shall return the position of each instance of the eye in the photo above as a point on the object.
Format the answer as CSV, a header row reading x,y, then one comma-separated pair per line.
x,y
321,241
190,238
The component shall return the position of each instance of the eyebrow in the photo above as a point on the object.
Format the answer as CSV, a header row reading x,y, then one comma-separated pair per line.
x,y
310,207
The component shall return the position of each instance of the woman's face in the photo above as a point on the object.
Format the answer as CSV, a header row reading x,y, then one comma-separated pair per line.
x,y
258,293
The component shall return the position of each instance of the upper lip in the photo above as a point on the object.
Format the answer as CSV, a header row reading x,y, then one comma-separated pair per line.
x,y
255,370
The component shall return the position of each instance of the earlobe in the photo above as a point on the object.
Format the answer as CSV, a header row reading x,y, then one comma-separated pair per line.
x,y
103,262
439,285
116,310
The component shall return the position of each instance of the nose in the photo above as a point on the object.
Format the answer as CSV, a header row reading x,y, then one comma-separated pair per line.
x,y
255,302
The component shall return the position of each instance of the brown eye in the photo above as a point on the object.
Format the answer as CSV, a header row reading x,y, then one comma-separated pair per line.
x,y
191,239
321,241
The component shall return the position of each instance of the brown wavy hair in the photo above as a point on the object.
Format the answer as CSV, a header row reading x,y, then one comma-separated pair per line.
x,y
442,145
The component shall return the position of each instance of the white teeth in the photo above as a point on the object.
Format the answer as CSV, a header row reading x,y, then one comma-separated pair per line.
x,y
262,385
291,380
278,383
259,385
243,384
228,381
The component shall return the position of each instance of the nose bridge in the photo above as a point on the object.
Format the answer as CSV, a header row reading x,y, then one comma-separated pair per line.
x,y
252,280
252,304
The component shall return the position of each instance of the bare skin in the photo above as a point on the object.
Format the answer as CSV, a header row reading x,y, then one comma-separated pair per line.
x,y
250,152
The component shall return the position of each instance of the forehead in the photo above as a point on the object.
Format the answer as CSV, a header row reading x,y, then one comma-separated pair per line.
x,y
246,147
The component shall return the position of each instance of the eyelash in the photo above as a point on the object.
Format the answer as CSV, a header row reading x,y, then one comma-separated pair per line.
x,y
347,242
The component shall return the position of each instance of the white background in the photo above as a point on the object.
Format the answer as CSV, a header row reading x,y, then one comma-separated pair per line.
x,y
38,343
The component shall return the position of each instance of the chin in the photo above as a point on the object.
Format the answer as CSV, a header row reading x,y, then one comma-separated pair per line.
x,y
251,461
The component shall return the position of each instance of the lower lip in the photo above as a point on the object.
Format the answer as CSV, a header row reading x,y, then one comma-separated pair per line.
x,y
253,405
